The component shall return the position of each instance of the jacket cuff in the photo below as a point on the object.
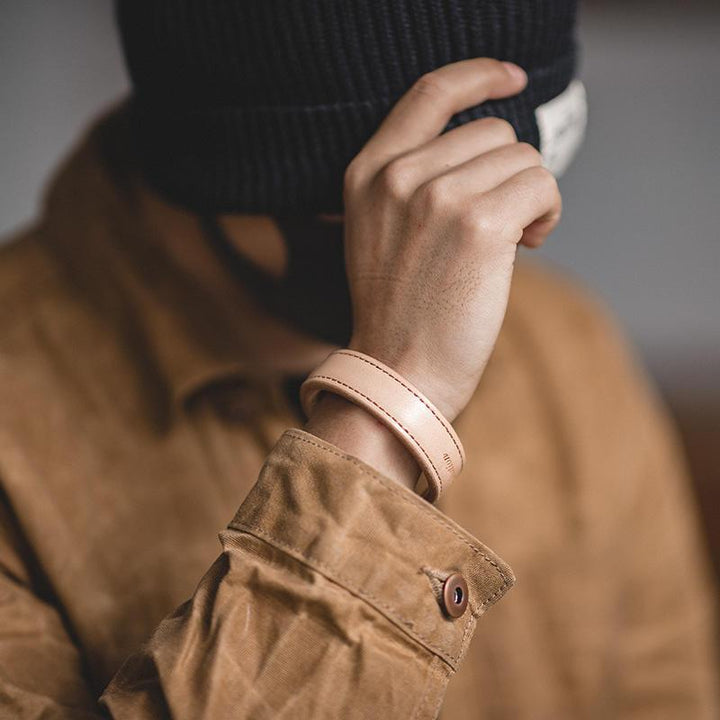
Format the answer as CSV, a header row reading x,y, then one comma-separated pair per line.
x,y
374,537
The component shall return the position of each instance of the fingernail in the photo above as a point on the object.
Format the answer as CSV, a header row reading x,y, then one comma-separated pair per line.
x,y
515,70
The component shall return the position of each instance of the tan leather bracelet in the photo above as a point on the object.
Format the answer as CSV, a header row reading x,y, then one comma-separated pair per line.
x,y
399,405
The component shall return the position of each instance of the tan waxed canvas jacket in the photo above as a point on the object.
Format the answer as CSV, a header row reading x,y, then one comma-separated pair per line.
x,y
142,415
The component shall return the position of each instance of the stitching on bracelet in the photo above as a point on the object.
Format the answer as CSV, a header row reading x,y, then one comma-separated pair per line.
x,y
392,417
410,390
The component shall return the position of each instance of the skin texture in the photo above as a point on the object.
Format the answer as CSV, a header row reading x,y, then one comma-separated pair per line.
x,y
432,226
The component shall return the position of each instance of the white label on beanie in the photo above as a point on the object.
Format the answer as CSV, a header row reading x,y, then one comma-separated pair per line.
x,y
562,122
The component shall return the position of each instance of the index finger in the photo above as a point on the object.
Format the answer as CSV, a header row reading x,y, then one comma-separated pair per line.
x,y
426,108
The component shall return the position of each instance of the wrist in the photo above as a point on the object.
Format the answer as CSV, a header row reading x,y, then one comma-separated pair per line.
x,y
413,366
358,433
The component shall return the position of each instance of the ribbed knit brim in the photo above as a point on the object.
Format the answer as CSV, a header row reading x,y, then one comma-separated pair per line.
x,y
258,105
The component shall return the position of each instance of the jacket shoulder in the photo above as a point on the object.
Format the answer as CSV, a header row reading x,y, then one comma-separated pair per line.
x,y
38,301
27,273
34,295
56,353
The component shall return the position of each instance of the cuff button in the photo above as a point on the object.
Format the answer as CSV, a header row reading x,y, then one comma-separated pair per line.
x,y
455,595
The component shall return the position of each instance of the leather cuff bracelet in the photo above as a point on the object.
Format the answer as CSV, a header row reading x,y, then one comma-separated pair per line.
x,y
400,406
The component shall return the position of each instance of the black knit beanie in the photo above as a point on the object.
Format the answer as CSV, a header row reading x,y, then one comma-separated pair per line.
x,y
257,106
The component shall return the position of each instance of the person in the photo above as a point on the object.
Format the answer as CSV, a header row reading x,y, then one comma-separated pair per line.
x,y
251,210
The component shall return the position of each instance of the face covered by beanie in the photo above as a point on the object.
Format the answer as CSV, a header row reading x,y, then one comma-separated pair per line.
x,y
257,107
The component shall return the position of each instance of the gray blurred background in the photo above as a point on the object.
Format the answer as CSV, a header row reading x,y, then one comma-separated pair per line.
x,y
641,200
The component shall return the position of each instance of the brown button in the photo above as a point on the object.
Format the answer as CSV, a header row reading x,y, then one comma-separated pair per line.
x,y
455,595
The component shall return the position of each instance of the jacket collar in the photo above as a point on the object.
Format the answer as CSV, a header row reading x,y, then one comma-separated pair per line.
x,y
146,267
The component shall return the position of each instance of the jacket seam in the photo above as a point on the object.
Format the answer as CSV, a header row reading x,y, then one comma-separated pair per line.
x,y
450,658
415,503
334,576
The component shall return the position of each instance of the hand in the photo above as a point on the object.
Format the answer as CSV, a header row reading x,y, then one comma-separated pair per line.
x,y
432,224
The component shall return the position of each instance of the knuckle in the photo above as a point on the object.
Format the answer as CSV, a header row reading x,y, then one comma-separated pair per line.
x,y
435,195
480,223
396,179
430,85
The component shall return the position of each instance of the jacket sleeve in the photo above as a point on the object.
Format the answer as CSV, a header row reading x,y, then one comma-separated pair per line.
x,y
324,602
